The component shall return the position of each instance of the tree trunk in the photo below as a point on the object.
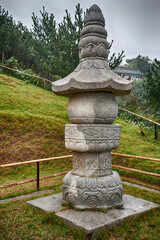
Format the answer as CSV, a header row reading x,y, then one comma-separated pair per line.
x,y
3,57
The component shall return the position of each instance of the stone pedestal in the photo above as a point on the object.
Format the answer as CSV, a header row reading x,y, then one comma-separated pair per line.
x,y
92,192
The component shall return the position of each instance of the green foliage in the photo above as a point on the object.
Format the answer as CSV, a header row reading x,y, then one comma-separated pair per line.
x,y
57,47
16,41
140,62
45,44
49,48
12,63
135,102
113,60
68,36
143,99
25,51
6,26
152,87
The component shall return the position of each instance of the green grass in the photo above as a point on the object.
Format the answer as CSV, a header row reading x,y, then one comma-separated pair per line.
x,y
20,221
32,126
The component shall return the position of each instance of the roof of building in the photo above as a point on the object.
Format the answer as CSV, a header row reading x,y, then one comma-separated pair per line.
x,y
128,70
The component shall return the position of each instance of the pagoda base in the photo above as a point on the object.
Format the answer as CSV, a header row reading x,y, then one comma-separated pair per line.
x,y
92,192
93,221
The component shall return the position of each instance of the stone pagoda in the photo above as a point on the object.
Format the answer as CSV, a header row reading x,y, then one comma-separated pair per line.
x,y
92,109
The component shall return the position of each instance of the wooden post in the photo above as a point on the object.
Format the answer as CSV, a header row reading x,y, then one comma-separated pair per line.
x,y
156,132
37,176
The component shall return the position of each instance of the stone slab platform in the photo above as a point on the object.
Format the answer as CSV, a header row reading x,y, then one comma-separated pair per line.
x,y
93,221
49,204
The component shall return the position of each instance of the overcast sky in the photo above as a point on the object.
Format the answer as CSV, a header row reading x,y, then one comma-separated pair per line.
x,y
134,25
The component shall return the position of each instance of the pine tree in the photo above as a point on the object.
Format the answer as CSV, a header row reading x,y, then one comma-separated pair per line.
x,y
113,60
45,45
152,87
49,49
6,26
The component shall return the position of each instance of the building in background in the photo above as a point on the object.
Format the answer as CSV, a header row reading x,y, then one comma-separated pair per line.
x,y
129,73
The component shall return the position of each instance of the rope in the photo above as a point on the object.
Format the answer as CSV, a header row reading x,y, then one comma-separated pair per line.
x,y
45,79
139,116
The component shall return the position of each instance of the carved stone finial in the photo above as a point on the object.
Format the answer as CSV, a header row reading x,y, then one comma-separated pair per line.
x,y
93,36
94,14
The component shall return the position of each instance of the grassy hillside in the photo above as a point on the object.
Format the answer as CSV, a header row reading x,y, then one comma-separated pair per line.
x,y
31,121
32,126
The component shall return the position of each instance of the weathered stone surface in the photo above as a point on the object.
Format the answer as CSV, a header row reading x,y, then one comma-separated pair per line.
x,y
93,107
88,164
93,221
92,74
92,137
90,192
94,14
49,204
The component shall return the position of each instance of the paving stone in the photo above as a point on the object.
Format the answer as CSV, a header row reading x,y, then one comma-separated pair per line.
x,y
93,221
49,204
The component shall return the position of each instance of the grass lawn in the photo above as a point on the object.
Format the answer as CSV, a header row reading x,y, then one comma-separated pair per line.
x,y
21,221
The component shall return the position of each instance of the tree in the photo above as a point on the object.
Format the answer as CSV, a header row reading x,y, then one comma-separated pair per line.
x,y
140,62
69,36
152,87
45,44
25,52
6,26
113,60
49,48
15,40
57,46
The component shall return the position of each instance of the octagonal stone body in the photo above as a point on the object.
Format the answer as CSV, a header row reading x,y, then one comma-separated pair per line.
x,y
93,107
91,164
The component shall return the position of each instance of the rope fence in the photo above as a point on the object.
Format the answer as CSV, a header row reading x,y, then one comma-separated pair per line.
x,y
44,79
147,119
37,161
139,116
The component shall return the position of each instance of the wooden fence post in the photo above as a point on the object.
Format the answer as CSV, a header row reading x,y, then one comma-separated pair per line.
x,y
37,176
156,132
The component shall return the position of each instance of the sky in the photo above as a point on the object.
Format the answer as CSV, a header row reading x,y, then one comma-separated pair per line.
x,y
134,25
